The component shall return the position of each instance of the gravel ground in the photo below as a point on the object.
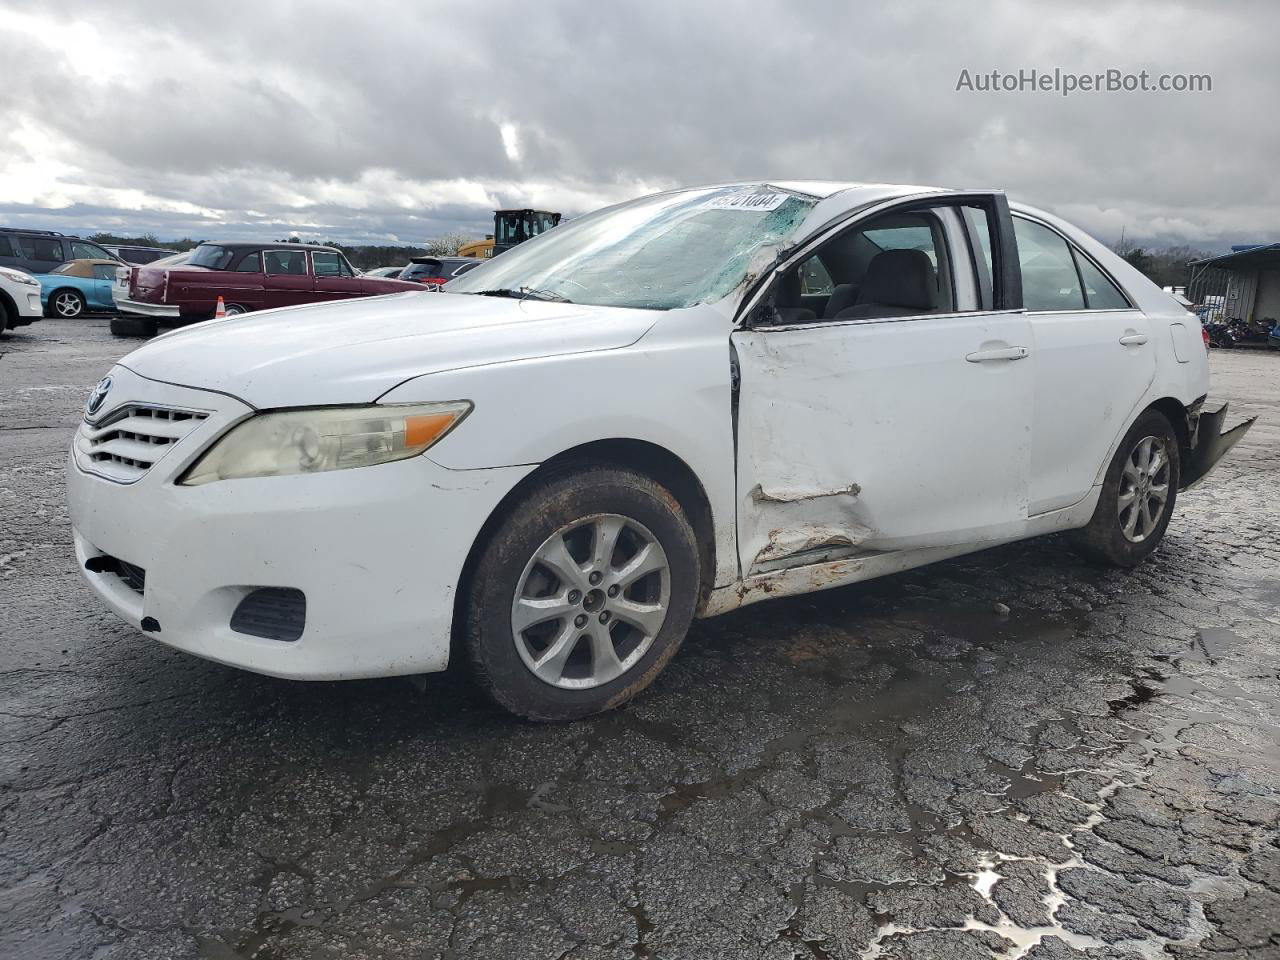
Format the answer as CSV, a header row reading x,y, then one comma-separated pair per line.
x,y
891,770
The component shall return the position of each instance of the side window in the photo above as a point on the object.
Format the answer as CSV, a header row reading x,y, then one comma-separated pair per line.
x,y
104,271
465,268
41,248
83,250
894,266
286,262
250,264
1099,292
814,279
326,264
1049,278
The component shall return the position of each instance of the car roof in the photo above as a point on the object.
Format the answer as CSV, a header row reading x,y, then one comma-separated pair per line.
x,y
240,246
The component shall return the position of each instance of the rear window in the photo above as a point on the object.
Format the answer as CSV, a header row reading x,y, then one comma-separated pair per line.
x,y
417,271
212,256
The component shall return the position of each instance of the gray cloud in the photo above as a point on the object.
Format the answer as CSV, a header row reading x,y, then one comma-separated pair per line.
x,y
386,120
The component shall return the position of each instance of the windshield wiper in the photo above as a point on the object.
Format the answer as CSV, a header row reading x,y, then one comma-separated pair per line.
x,y
524,293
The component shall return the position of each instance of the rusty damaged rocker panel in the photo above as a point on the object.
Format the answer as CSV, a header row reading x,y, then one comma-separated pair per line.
x,y
1211,442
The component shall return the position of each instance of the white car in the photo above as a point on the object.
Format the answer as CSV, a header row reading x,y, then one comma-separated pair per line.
x,y
664,410
19,299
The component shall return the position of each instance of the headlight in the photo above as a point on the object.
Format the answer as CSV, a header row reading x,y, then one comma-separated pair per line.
x,y
325,438
17,276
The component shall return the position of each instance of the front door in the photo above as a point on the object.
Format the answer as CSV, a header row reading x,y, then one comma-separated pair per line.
x,y
104,278
335,280
288,280
902,421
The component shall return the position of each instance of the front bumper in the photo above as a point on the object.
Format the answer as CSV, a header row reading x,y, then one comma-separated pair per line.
x,y
148,309
377,552
1211,443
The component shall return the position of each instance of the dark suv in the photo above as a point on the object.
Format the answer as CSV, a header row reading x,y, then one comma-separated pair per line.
x,y
39,251
437,270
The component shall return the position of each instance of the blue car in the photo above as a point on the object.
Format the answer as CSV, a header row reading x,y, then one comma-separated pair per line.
x,y
78,287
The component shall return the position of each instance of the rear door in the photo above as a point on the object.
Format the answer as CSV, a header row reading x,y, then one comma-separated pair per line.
x,y
1094,362
288,278
902,422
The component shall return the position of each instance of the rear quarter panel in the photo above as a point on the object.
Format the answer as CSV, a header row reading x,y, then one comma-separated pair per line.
x,y
196,292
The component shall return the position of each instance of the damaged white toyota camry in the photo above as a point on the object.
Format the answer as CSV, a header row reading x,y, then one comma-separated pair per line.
x,y
663,410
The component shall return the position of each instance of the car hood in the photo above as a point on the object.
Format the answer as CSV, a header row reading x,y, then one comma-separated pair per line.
x,y
354,352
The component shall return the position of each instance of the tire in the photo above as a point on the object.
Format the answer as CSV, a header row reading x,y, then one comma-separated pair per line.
x,y
1124,536
579,509
133,327
7,317
66,304
236,309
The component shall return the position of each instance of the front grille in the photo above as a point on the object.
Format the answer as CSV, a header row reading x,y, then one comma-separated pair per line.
x,y
134,577
130,441
273,613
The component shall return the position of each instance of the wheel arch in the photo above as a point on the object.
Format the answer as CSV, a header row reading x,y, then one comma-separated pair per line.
x,y
8,311
644,457
1173,410
1176,413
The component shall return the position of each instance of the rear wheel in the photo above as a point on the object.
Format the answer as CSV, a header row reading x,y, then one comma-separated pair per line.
x,y
67,304
133,327
235,309
581,595
1138,494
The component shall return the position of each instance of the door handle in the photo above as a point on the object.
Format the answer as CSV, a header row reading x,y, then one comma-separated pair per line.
x,y
1134,339
1000,353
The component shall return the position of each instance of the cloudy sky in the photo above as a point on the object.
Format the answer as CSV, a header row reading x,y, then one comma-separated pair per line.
x,y
400,121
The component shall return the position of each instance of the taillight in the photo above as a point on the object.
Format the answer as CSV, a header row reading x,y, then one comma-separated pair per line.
x,y
1205,333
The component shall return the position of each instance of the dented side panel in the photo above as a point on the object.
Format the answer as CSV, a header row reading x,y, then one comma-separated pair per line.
x,y
866,436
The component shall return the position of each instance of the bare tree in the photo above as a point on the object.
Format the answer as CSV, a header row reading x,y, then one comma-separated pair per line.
x,y
447,245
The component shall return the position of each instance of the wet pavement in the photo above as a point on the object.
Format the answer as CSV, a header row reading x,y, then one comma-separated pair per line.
x,y
896,770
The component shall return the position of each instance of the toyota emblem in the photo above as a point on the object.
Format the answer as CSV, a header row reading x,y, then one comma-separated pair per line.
x,y
98,397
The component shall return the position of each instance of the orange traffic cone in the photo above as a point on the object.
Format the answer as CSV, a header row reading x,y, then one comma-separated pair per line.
x,y
221,310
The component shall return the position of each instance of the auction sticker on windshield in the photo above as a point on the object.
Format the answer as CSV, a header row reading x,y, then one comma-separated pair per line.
x,y
747,201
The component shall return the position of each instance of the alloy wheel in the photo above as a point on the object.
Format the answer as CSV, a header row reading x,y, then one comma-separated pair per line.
x,y
591,601
67,305
1144,489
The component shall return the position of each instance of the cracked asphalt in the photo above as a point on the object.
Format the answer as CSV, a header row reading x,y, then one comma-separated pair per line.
x,y
897,770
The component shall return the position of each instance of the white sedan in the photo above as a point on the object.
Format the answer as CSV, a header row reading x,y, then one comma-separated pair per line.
x,y
664,410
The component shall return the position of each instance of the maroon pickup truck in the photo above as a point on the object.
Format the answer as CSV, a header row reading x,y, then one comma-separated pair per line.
x,y
248,276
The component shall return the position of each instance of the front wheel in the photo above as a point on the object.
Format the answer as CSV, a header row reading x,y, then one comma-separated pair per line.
x,y
581,595
1138,494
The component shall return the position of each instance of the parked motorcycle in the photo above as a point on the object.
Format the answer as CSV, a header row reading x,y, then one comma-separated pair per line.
x,y
1235,332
